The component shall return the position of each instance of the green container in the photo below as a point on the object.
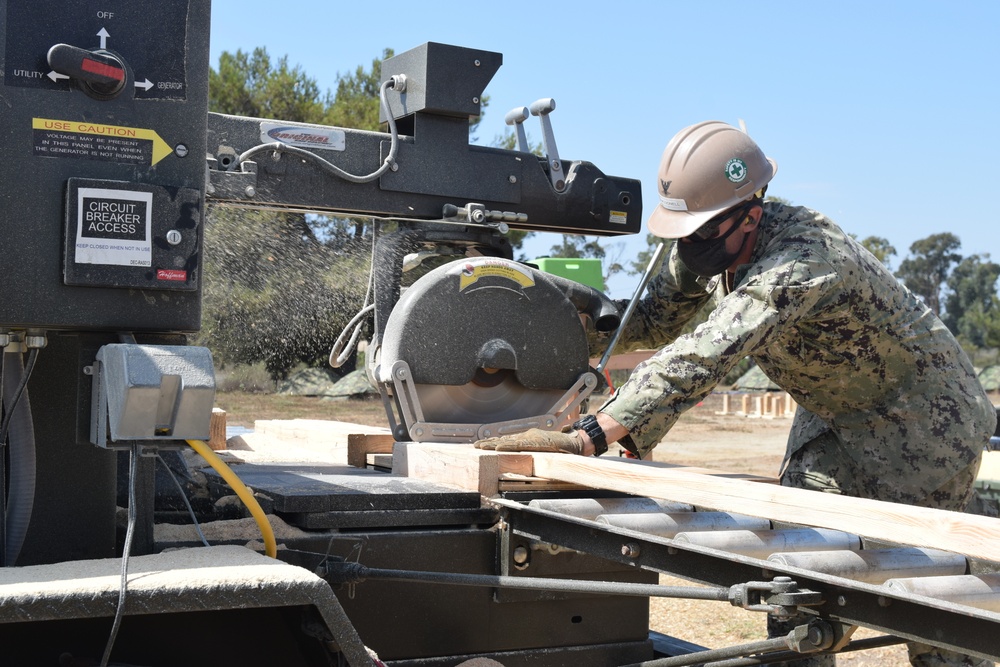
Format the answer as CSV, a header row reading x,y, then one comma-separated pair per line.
x,y
587,271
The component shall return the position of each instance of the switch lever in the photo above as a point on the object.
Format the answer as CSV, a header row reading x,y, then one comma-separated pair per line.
x,y
101,73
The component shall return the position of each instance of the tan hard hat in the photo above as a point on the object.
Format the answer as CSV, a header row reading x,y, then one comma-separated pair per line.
x,y
706,169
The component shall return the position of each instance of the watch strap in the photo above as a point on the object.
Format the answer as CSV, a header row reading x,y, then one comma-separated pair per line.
x,y
592,428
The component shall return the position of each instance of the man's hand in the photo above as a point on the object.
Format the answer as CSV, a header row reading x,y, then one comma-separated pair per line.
x,y
535,440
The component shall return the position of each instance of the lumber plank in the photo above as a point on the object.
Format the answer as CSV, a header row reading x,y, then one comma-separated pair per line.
x,y
360,445
711,471
490,472
312,440
458,465
970,535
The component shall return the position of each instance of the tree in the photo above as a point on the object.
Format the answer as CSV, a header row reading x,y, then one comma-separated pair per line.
x,y
879,247
972,308
273,294
641,261
928,267
280,287
249,85
356,103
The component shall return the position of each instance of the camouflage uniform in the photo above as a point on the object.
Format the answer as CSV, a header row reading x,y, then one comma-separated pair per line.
x,y
889,404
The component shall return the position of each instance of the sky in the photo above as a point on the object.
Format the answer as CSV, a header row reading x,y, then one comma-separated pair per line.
x,y
881,115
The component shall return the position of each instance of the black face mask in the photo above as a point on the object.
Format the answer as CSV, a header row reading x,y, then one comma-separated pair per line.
x,y
709,257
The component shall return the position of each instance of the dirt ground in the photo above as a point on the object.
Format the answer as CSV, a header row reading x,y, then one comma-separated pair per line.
x,y
702,437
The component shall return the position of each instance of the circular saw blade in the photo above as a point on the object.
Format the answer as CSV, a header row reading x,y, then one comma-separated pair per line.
x,y
489,398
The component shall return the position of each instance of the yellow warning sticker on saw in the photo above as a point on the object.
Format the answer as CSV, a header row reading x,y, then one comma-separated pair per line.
x,y
472,271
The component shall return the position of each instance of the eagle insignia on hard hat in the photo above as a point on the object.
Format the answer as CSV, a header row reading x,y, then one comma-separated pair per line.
x,y
665,186
736,170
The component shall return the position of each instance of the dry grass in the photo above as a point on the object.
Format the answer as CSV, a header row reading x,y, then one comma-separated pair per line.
x,y
243,408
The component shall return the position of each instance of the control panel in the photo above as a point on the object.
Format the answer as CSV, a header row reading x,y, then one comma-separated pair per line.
x,y
102,163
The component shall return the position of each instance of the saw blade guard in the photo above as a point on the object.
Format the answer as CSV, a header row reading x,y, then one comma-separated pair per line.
x,y
484,346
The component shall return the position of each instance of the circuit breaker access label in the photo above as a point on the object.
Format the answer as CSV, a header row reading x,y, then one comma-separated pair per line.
x,y
113,227
96,141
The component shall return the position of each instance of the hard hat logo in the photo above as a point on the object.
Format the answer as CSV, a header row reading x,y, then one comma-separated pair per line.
x,y
736,170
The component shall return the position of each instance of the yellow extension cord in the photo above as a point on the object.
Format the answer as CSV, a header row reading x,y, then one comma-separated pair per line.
x,y
270,546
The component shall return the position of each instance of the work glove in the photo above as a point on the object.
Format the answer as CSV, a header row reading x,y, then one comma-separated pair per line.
x,y
535,440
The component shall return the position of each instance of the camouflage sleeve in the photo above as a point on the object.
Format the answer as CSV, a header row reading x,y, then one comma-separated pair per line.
x,y
674,295
680,375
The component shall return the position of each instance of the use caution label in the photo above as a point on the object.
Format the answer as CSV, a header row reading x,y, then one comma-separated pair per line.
x,y
96,141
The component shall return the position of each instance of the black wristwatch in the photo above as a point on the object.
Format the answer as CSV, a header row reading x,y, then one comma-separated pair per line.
x,y
594,431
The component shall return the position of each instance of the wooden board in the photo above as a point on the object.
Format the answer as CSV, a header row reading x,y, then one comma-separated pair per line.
x,y
311,440
974,536
462,466
466,467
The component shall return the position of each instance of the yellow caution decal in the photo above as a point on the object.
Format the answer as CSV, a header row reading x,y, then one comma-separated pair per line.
x,y
97,141
473,270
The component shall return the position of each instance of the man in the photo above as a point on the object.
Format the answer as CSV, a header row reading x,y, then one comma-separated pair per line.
x,y
889,404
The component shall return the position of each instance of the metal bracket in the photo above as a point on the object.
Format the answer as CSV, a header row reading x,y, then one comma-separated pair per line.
x,y
780,597
478,214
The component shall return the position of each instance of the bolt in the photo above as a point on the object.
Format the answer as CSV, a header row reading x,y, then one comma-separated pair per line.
x,y
883,601
418,432
174,237
180,150
630,550
841,601
476,62
549,423
512,178
815,636
521,555
88,370
251,191
475,100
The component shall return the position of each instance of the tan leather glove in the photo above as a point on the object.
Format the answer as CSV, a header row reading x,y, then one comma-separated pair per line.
x,y
535,440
